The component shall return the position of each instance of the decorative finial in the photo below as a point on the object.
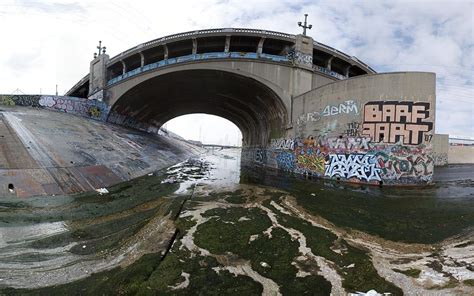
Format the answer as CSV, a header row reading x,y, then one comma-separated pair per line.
x,y
305,26
101,50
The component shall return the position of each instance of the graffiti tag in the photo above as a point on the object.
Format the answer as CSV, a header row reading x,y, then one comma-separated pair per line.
x,y
391,122
360,166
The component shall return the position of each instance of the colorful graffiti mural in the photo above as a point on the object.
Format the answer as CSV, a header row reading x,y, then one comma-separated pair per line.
x,y
310,160
392,122
398,166
286,160
355,159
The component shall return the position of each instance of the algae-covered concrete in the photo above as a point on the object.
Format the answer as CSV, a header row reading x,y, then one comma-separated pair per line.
x,y
204,228
50,153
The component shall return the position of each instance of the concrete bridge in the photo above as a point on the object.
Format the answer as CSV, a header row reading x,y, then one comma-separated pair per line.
x,y
302,106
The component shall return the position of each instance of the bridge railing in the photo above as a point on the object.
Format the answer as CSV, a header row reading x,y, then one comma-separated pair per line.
x,y
197,57
199,33
218,55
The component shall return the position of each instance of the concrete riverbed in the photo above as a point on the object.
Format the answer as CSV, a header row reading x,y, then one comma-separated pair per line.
x,y
209,227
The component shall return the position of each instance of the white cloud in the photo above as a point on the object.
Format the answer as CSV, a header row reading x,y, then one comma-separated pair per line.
x,y
51,42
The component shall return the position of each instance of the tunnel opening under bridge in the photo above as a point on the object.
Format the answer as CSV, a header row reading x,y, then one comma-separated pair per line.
x,y
254,107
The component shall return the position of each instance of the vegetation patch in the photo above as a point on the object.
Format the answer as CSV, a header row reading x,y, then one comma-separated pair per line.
x,y
412,272
354,265
469,282
271,257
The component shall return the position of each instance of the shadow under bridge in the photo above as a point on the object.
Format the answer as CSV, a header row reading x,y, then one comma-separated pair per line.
x,y
251,105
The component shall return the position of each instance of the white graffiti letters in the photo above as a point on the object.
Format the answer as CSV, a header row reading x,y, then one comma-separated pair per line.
x,y
350,143
283,144
343,108
360,166
346,108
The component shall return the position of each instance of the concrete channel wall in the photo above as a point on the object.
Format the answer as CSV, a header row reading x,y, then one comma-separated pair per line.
x,y
52,153
461,154
440,149
374,129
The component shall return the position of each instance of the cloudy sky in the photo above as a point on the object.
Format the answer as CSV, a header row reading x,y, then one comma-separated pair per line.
x,y
45,43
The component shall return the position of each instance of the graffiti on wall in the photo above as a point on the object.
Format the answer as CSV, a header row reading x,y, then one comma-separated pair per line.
x,y
20,100
78,106
353,129
352,158
440,159
359,166
99,96
300,58
310,160
282,144
392,122
261,155
83,107
349,143
397,166
348,107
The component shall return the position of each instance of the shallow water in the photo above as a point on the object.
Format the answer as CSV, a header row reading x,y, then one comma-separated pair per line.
x,y
200,206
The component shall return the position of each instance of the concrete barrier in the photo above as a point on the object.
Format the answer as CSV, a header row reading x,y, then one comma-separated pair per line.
x,y
461,154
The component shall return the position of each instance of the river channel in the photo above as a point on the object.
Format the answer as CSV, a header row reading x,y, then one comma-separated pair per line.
x,y
208,226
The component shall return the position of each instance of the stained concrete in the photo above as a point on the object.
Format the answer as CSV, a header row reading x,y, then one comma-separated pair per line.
x,y
45,153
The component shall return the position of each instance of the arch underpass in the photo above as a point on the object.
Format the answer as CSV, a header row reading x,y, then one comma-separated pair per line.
x,y
252,106
301,106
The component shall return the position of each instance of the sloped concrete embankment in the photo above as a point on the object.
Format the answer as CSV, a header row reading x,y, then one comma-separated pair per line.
x,y
51,153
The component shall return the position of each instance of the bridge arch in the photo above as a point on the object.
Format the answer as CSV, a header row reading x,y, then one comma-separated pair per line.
x,y
253,106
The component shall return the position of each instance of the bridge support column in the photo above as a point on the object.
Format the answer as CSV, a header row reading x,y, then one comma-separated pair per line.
x,y
346,71
142,59
328,64
195,45
260,45
98,74
124,67
304,52
302,75
165,50
227,43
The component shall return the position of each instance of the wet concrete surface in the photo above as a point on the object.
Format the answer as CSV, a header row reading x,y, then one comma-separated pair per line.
x,y
210,227
50,153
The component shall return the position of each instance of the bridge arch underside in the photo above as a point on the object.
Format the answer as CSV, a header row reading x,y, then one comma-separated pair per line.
x,y
252,106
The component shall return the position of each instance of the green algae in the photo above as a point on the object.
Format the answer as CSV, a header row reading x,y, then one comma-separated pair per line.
x,y
411,215
412,272
272,257
91,205
469,282
362,276
99,236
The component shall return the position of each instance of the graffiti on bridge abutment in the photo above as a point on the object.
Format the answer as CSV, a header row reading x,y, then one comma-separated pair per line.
x,y
359,166
348,107
350,158
392,122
